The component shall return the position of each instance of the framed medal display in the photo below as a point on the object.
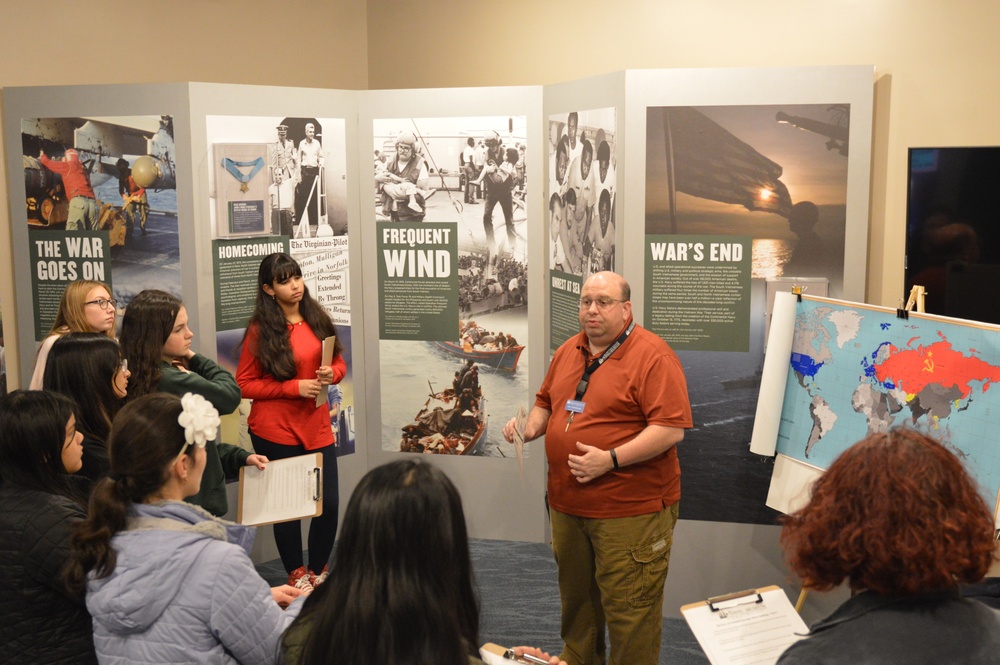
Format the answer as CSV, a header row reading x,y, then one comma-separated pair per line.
x,y
241,189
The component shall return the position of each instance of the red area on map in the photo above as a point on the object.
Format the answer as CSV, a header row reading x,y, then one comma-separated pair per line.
x,y
912,370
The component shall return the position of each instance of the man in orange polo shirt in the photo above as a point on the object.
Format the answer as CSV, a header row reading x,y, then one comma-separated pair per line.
x,y
614,480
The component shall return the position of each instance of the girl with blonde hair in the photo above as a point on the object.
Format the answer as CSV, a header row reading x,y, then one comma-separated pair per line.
x,y
86,306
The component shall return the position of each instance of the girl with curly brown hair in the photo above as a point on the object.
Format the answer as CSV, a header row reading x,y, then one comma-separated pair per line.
x,y
898,518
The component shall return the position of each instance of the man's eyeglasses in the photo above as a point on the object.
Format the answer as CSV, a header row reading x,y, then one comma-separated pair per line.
x,y
103,303
602,303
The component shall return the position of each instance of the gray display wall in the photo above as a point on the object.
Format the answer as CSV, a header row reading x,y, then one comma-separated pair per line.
x,y
503,499
723,545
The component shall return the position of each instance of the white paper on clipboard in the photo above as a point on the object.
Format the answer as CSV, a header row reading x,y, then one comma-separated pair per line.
x,y
287,489
754,626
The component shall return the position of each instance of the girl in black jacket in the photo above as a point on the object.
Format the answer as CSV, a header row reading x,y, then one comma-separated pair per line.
x,y
39,447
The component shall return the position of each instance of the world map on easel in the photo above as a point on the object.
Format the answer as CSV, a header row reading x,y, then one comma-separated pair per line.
x,y
855,370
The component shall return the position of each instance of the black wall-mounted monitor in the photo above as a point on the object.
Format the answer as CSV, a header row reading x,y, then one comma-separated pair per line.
x,y
953,230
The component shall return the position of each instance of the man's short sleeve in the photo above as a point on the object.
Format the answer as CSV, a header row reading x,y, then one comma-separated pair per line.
x,y
663,393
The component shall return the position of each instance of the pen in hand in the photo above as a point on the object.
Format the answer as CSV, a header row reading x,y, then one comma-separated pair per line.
x,y
526,658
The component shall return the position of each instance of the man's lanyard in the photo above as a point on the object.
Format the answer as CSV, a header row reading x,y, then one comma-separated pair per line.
x,y
576,405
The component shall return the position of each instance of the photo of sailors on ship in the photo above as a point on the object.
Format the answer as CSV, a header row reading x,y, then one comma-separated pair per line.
x,y
469,171
581,191
104,190
300,196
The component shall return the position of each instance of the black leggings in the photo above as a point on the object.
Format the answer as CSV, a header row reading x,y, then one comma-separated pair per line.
x,y
323,529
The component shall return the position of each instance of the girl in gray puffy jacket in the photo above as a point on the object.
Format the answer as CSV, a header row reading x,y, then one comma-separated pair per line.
x,y
165,580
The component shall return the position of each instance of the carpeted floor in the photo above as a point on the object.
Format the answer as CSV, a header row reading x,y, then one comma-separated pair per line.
x,y
520,600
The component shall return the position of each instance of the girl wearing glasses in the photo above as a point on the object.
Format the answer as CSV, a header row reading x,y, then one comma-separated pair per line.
x,y
165,581
280,370
39,448
156,340
85,306
88,368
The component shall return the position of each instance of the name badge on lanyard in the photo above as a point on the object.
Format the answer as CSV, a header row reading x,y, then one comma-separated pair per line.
x,y
574,406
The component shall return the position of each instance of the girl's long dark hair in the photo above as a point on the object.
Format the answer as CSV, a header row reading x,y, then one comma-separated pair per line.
x,y
32,435
145,439
400,588
147,323
272,349
82,366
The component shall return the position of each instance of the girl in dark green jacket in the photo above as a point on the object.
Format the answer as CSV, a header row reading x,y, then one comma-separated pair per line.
x,y
156,340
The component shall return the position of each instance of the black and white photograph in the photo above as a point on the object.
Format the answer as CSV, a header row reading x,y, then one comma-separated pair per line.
x,y
583,167
450,396
299,163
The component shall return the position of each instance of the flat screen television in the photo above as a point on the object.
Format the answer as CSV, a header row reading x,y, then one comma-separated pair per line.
x,y
953,230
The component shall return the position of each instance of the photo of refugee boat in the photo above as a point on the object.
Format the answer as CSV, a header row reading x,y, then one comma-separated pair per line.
x,y
505,359
452,421
483,346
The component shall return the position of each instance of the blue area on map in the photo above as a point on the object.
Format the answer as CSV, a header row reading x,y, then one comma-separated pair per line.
x,y
885,326
870,369
879,348
805,365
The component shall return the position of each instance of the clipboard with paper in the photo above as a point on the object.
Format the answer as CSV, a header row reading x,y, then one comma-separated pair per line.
x,y
287,489
752,626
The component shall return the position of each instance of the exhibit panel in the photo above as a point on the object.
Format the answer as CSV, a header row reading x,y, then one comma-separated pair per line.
x,y
735,173
747,177
73,214
583,196
452,257
257,195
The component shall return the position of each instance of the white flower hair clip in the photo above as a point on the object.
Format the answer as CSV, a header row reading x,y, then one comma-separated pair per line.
x,y
199,419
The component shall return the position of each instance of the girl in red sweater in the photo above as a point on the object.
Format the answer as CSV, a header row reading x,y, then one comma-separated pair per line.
x,y
280,370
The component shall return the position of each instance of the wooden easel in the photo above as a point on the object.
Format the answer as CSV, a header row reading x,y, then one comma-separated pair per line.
x,y
916,299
